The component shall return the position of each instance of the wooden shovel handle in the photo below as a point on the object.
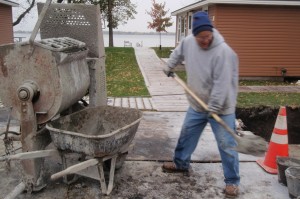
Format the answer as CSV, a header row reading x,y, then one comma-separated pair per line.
x,y
191,93
38,23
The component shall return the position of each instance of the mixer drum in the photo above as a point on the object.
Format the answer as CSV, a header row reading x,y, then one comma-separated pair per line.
x,y
57,67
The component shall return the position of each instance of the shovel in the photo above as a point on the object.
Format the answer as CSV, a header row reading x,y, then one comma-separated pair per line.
x,y
247,144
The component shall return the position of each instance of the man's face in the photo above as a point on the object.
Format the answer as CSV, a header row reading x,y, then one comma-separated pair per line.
x,y
204,39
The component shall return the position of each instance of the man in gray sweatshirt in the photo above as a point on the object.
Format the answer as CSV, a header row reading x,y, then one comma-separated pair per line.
x,y
212,74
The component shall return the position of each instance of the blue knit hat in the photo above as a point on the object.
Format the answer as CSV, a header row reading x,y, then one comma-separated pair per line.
x,y
201,23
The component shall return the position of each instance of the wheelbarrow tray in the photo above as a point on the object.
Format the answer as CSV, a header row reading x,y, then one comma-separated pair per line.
x,y
97,131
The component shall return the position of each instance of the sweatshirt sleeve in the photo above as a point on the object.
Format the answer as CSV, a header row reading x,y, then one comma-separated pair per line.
x,y
224,76
176,56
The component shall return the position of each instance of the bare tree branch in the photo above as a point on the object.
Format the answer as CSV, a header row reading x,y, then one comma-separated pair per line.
x,y
19,19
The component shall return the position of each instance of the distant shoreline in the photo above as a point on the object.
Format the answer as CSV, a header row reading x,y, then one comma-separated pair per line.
x,y
119,33
138,40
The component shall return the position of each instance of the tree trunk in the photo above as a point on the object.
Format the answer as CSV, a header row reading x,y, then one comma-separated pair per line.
x,y
110,24
159,40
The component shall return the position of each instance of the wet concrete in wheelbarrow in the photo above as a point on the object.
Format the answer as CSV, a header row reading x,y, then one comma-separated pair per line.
x,y
141,175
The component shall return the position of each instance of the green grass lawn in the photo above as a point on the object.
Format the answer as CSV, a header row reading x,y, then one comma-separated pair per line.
x,y
246,100
164,52
266,98
263,83
125,79
123,76
182,75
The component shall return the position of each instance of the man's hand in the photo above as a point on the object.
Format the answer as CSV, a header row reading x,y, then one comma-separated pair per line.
x,y
168,71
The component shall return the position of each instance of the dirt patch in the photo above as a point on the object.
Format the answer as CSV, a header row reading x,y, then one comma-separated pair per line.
x,y
261,121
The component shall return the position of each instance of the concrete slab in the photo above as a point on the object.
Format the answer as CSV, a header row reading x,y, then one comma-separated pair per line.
x,y
142,179
141,175
205,182
157,136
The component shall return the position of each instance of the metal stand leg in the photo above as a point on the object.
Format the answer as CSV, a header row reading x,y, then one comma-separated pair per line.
x,y
111,174
104,188
65,166
99,162
102,178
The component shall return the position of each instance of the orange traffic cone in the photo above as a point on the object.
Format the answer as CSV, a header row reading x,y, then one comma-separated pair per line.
x,y
278,145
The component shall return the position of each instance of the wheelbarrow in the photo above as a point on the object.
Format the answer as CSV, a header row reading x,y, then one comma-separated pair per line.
x,y
102,133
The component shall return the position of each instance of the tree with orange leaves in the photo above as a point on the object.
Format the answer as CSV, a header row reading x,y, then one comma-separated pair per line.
x,y
159,19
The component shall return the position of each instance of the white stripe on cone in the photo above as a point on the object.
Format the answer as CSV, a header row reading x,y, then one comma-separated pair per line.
x,y
281,122
279,139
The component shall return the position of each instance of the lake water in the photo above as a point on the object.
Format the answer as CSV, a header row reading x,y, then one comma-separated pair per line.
x,y
146,40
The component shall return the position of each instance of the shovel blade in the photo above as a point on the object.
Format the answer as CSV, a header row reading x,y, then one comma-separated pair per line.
x,y
251,145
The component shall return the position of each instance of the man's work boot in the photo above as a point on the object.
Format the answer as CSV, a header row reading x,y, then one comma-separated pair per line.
x,y
231,191
170,167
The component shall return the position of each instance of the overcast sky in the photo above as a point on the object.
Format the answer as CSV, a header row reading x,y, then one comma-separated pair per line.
x,y
139,24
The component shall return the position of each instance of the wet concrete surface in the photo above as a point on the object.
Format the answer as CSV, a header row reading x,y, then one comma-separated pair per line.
x,y
144,179
141,175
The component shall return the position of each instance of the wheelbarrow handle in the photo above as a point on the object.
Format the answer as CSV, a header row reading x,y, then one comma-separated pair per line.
x,y
30,155
191,93
75,168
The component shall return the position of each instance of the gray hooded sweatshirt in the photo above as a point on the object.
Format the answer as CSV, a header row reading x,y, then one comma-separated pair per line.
x,y
212,74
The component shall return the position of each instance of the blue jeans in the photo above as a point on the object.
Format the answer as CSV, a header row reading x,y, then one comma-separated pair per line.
x,y
191,131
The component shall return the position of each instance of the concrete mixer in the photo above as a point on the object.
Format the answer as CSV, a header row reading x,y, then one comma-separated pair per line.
x,y
40,80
